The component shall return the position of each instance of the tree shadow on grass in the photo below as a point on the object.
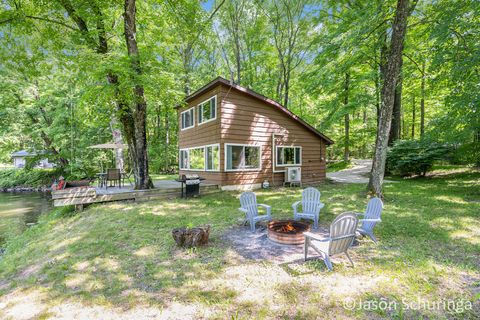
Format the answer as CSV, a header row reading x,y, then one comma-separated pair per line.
x,y
114,257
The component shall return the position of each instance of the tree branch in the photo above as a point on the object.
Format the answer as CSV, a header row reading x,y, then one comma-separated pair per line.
x,y
374,29
53,21
6,21
67,5
414,62
209,19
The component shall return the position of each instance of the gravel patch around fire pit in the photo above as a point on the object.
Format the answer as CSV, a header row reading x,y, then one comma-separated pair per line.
x,y
257,246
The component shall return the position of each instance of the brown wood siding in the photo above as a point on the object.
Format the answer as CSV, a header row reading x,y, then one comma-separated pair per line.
x,y
243,119
247,120
203,134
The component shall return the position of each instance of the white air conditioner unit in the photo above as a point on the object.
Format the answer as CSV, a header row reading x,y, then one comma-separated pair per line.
x,y
293,174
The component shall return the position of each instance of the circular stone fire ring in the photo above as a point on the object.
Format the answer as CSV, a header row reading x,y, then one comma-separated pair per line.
x,y
287,231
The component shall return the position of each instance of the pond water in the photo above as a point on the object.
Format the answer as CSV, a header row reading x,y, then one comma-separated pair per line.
x,y
19,210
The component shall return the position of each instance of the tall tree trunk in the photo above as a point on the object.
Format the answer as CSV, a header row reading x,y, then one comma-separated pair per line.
x,y
413,117
377,95
237,48
280,87
422,101
137,142
167,141
346,154
235,16
239,62
287,90
346,151
158,122
131,121
380,75
395,128
187,56
117,139
392,73
476,147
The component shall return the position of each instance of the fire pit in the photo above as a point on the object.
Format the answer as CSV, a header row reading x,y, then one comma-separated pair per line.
x,y
287,231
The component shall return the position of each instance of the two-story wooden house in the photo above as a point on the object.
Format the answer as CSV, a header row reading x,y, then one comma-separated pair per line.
x,y
237,138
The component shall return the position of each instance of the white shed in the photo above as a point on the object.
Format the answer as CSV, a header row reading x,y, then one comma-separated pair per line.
x,y
20,159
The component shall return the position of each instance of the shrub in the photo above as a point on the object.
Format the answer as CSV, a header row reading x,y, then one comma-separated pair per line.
x,y
414,157
467,153
26,178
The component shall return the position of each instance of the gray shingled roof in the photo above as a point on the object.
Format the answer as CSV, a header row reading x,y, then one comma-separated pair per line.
x,y
22,153
25,153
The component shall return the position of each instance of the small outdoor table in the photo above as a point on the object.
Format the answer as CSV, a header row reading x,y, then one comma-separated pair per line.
x,y
102,179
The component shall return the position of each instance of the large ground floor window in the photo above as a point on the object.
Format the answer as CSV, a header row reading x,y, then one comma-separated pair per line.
x,y
184,162
203,158
289,156
212,158
197,158
242,157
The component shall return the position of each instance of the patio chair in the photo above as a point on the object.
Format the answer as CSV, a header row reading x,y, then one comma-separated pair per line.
x,y
249,206
127,175
370,218
311,206
113,175
342,234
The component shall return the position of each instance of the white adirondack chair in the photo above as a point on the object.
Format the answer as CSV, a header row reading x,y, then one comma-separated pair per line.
x,y
370,218
249,206
342,234
311,206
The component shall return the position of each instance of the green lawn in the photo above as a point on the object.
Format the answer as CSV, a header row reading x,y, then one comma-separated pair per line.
x,y
156,177
120,261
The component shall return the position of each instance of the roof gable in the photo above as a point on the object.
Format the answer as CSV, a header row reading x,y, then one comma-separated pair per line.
x,y
221,81
22,153
25,153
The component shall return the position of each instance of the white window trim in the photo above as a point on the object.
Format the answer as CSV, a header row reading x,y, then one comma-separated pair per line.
x,y
180,159
225,145
212,145
287,165
200,111
204,158
181,119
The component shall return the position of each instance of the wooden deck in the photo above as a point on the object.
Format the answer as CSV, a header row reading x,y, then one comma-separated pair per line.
x,y
166,189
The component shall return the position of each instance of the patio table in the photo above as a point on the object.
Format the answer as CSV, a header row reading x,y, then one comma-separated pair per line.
x,y
102,179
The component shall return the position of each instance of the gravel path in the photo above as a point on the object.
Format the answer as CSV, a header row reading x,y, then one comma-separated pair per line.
x,y
357,174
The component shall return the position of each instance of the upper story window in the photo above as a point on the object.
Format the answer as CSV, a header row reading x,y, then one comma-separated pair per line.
x,y
207,110
242,157
188,119
289,156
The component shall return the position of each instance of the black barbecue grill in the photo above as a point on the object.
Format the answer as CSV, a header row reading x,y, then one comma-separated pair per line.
x,y
191,184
